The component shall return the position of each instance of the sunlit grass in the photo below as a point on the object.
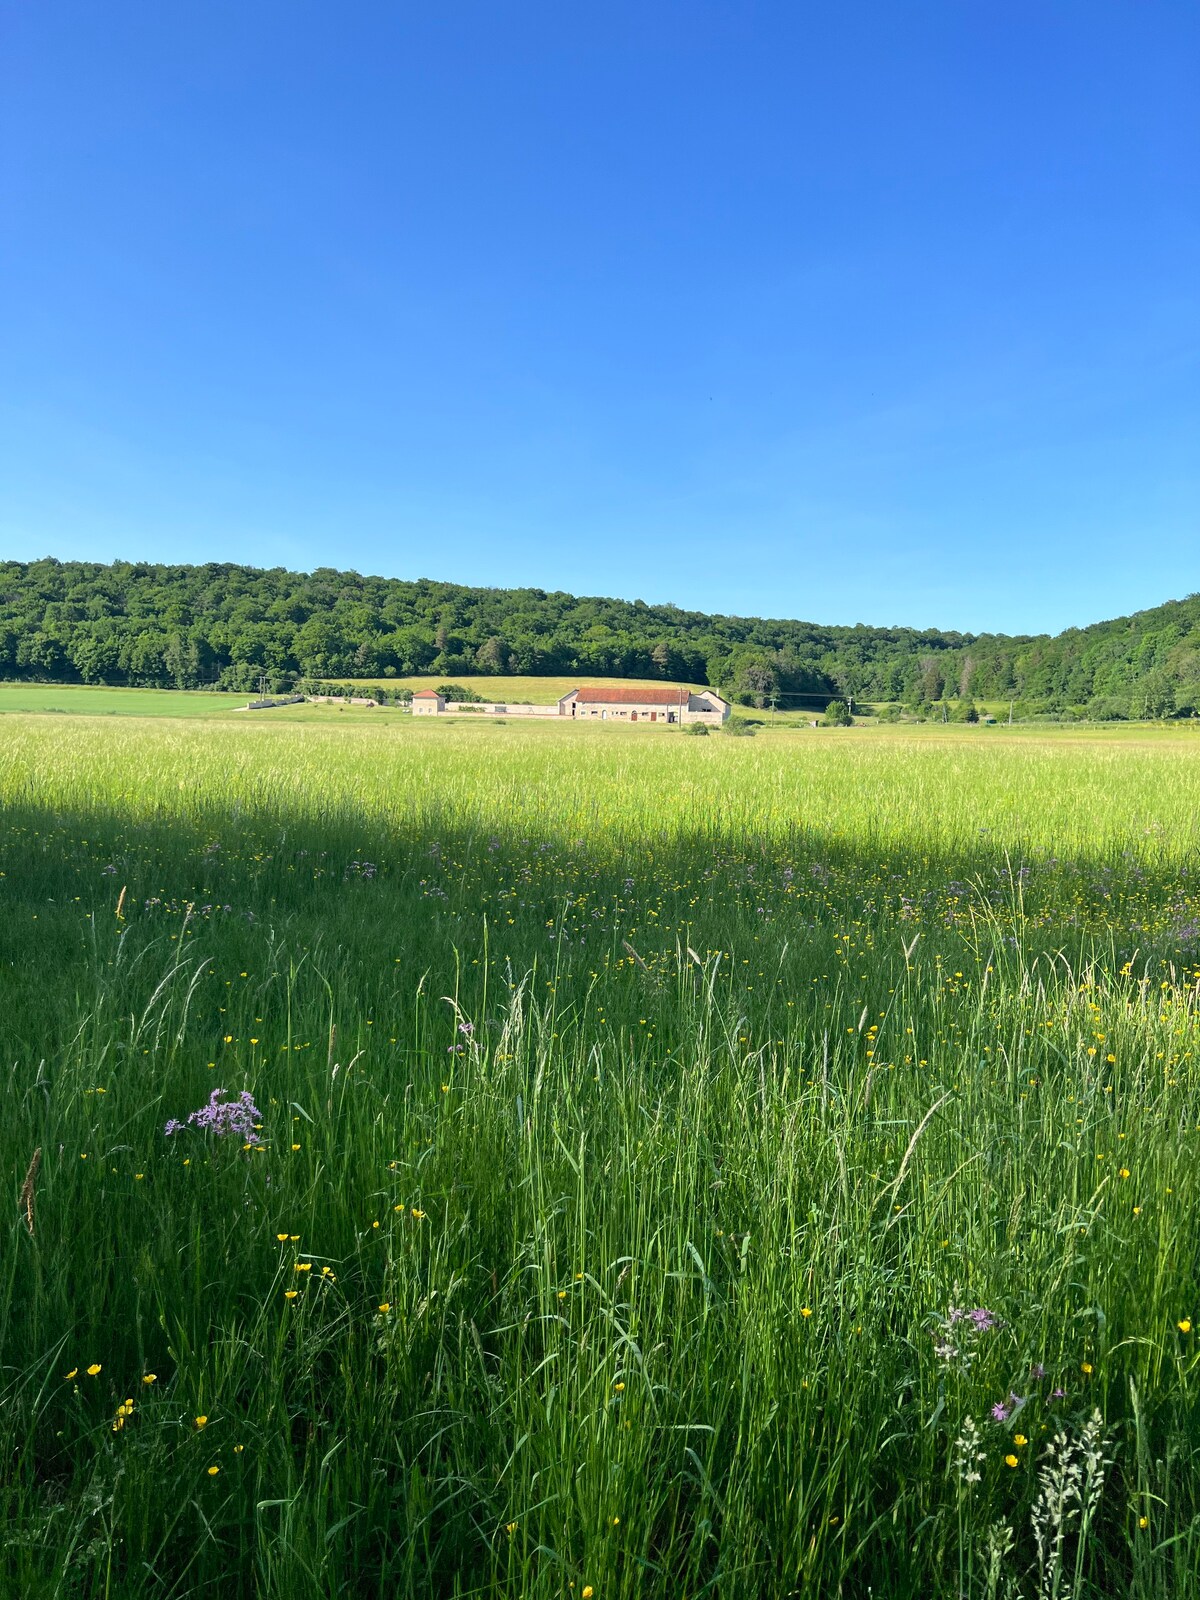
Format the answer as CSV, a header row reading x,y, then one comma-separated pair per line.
x,y
634,1113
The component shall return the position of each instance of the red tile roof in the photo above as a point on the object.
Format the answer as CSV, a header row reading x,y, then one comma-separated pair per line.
x,y
426,694
616,695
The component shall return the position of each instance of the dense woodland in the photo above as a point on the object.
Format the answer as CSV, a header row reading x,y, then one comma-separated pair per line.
x,y
231,626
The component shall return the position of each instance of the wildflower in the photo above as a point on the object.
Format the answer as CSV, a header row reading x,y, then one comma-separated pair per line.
x,y
303,1266
616,1522
385,1306
1143,1522
290,1294
1124,1172
1011,1461
201,1422
240,1117
1037,1370
281,1237
1086,1368
1019,1439
618,1388
420,1215
510,1527
1000,1411
67,1376
1184,1325
806,1311
587,1591
295,1147
238,1448
212,1471
968,1452
94,1370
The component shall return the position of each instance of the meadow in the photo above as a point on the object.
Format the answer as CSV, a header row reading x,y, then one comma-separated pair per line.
x,y
488,1159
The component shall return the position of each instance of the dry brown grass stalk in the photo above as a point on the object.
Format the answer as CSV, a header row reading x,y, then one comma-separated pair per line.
x,y
28,1187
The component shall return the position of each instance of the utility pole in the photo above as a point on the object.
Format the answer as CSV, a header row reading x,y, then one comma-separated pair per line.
x,y
1010,706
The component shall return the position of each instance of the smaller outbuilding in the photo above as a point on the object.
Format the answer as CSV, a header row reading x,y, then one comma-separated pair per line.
x,y
428,703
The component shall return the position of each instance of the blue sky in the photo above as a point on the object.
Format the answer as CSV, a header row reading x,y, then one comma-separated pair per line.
x,y
851,312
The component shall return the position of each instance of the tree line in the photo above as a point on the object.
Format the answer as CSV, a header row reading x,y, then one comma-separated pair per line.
x,y
230,626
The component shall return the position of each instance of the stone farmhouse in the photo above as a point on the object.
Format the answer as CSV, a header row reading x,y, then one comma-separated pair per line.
x,y
614,703
602,703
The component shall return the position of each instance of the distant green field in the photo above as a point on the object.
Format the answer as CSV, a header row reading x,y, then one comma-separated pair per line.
x,y
82,699
516,690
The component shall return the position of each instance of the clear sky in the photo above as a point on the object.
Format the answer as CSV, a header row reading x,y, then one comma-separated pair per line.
x,y
881,312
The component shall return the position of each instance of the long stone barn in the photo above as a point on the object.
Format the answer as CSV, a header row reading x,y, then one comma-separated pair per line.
x,y
601,703
612,703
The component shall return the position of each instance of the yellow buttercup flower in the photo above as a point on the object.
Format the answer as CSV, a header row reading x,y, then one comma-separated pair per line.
x,y
150,1377
290,1294
1010,1461
94,1369
201,1422
212,1471
806,1311
1019,1439
1086,1368
67,1376
385,1306
1185,1325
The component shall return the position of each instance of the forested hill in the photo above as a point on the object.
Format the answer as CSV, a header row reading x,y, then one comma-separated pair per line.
x,y
135,623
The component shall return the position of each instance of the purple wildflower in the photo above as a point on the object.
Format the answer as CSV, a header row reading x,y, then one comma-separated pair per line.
x,y
240,1117
1000,1412
980,1318
1037,1371
1058,1394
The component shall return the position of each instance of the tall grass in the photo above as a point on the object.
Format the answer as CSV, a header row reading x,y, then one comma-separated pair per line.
x,y
636,1115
